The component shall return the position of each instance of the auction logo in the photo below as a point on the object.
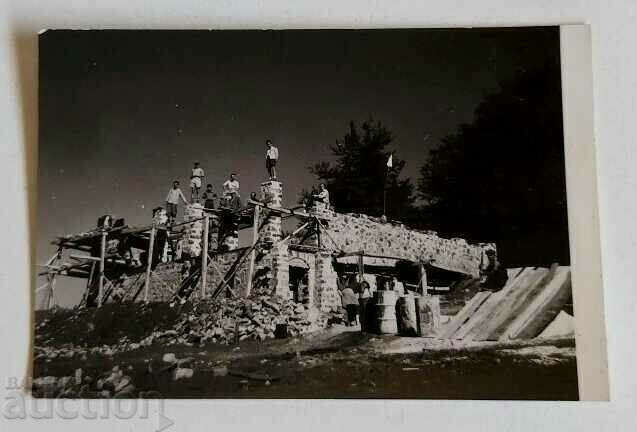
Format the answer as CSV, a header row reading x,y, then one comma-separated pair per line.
x,y
18,404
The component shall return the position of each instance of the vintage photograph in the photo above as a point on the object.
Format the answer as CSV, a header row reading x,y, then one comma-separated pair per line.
x,y
303,214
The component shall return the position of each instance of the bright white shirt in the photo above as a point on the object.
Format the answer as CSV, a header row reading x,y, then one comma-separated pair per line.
x,y
324,195
231,186
197,172
272,153
174,195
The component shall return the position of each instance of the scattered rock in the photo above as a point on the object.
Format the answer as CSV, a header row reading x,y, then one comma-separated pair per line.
x,y
169,358
220,371
182,373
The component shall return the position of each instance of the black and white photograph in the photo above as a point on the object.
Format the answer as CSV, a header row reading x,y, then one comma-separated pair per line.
x,y
323,214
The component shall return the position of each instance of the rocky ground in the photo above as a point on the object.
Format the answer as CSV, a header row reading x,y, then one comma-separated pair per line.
x,y
229,349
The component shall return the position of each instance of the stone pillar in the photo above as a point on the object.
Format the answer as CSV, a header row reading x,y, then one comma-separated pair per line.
x,y
270,236
281,271
213,231
194,231
272,195
326,289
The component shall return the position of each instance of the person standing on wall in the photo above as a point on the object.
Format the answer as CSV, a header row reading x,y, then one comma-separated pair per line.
x,y
230,188
323,196
172,202
209,197
271,158
196,179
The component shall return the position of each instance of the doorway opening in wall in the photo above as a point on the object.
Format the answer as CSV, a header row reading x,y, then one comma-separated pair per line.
x,y
299,283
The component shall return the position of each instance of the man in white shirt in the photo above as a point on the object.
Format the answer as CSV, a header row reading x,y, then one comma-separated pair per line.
x,y
323,195
231,198
172,201
271,158
196,180
231,187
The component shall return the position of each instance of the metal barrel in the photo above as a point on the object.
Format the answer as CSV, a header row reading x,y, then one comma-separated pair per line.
x,y
385,307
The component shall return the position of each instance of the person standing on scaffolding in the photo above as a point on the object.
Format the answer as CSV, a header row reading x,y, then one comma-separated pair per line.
x,y
209,197
323,196
230,189
196,180
271,158
172,202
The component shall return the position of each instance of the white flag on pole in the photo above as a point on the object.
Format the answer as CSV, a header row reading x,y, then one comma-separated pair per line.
x,y
390,161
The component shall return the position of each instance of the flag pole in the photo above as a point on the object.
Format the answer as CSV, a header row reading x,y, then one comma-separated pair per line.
x,y
389,165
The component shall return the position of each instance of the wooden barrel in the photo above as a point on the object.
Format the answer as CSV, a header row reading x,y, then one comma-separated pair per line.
x,y
385,308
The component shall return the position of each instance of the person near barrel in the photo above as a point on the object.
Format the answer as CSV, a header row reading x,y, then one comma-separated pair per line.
x,y
349,299
364,295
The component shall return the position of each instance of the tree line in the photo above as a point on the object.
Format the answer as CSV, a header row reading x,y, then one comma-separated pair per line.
x,y
499,178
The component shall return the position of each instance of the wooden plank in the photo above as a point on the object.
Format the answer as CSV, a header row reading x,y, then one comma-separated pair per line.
x,y
514,272
544,308
253,253
465,313
100,281
487,307
476,333
510,305
521,304
149,263
423,278
204,256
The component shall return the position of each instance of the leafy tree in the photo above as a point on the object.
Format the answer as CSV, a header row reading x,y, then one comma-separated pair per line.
x,y
358,176
502,177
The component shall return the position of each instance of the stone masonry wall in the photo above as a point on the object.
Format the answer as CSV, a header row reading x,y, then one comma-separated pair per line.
x,y
360,232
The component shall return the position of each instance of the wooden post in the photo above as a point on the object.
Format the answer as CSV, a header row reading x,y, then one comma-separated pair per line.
x,y
423,278
100,281
361,267
253,254
51,291
149,263
318,233
204,255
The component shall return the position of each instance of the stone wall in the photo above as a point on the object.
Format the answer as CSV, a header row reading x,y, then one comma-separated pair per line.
x,y
354,232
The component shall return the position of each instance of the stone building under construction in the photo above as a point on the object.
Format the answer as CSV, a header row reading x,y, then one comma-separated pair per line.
x,y
303,265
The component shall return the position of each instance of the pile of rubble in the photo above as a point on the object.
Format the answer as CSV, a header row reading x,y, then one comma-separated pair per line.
x,y
223,321
229,321
112,384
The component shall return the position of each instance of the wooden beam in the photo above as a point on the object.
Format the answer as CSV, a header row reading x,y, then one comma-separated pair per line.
x,y
100,292
253,253
423,278
296,231
204,255
149,264
52,292
280,210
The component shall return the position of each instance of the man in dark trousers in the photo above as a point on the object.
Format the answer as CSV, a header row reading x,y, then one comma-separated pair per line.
x,y
271,158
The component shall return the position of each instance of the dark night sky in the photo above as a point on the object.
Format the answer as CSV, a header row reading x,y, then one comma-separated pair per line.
x,y
123,113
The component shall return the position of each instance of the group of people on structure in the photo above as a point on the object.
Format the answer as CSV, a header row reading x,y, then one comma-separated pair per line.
x,y
231,198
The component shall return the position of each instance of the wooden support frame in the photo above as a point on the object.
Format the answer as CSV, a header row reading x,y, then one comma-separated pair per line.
x,y
422,270
253,252
204,255
100,292
149,264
